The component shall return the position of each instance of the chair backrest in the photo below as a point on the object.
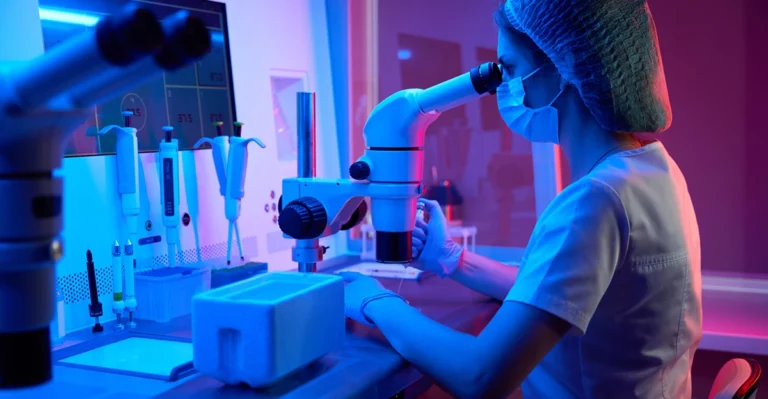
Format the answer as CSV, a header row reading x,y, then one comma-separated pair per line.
x,y
737,379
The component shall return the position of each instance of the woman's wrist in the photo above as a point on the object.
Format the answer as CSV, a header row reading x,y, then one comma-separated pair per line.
x,y
452,262
382,306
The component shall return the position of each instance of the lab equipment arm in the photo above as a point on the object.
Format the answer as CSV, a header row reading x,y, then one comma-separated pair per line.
x,y
490,365
485,276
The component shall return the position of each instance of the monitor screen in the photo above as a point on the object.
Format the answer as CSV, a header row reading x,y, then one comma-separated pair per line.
x,y
190,99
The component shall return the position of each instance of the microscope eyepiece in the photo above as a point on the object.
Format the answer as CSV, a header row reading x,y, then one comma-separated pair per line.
x,y
126,37
25,358
469,86
187,39
393,247
486,78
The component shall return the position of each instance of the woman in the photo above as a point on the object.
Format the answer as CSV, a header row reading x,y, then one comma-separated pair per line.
x,y
607,301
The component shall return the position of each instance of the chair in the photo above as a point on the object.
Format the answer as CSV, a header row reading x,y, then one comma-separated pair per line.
x,y
737,379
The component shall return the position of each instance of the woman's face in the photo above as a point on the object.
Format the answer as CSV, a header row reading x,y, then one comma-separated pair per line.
x,y
519,57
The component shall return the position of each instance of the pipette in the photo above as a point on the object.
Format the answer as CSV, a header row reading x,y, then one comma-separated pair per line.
x,y
169,191
94,308
130,291
117,286
236,167
220,145
127,172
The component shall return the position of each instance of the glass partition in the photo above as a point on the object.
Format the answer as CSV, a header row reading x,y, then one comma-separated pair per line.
x,y
489,171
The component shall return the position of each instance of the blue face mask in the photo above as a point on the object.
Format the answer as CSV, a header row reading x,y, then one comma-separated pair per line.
x,y
536,125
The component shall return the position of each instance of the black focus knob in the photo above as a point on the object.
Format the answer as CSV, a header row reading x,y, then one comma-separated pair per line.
x,y
304,218
359,170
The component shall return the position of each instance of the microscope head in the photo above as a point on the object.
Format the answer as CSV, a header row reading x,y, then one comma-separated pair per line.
x,y
393,163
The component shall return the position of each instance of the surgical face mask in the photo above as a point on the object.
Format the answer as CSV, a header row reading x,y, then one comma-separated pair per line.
x,y
536,125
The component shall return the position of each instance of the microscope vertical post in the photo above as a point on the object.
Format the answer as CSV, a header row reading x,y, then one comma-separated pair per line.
x,y
305,250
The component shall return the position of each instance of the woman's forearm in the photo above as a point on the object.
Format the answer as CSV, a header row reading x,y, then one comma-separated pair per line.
x,y
484,275
448,356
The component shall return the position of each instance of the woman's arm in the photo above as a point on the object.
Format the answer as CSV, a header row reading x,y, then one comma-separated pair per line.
x,y
438,252
491,365
484,275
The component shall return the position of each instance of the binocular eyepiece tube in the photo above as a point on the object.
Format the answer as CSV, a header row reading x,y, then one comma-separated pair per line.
x,y
186,39
111,51
117,41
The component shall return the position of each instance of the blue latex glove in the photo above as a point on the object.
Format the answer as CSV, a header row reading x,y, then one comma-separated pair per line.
x,y
433,248
359,291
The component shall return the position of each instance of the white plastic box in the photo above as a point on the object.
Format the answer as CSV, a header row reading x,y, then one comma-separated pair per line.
x,y
258,330
166,293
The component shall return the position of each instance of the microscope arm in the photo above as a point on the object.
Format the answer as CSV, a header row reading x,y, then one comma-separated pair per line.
x,y
319,207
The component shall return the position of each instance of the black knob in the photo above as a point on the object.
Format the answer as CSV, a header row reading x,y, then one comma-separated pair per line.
x,y
359,170
304,218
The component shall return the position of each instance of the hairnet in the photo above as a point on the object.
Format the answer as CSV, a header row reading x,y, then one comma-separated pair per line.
x,y
609,50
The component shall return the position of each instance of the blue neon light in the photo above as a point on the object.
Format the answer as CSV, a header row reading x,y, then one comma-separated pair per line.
x,y
84,19
404,54
68,17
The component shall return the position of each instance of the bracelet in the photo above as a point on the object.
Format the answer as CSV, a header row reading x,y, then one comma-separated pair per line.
x,y
386,294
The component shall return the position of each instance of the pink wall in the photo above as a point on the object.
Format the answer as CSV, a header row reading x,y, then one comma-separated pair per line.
x,y
715,60
756,177
707,137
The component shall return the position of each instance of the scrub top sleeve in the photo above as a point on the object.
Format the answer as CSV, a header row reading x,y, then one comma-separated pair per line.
x,y
573,253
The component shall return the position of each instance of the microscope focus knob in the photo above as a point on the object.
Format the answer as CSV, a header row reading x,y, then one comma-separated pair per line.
x,y
304,218
359,170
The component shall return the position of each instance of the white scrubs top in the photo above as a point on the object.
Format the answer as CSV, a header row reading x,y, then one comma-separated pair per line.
x,y
617,255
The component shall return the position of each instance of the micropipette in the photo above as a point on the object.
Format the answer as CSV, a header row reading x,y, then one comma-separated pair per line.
x,y
94,308
130,291
169,191
127,172
235,190
117,286
220,145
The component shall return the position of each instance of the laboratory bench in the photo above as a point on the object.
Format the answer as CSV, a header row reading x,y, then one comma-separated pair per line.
x,y
367,367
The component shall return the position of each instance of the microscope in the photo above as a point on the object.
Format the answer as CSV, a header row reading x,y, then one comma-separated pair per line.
x,y
389,173
42,101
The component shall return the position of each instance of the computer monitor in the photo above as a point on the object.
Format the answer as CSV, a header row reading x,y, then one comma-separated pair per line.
x,y
190,99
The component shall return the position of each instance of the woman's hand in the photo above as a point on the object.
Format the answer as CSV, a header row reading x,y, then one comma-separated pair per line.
x,y
433,248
